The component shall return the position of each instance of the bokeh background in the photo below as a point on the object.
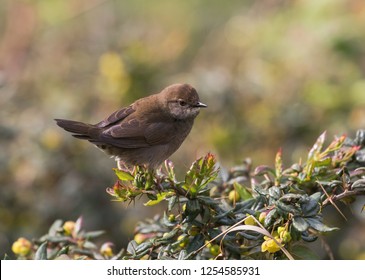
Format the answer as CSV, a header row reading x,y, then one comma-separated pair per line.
x,y
274,73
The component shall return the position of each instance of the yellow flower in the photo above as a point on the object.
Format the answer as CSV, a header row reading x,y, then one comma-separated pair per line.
x,y
270,245
285,236
106,249
250,221
69,227
21,247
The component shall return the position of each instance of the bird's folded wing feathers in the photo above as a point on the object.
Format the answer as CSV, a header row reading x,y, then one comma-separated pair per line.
x,y
117,116
135,134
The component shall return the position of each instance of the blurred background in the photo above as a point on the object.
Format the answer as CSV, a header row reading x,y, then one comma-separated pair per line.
x,y
274,74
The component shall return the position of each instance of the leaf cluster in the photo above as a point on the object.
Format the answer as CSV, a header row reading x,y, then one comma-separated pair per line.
x,y
213,213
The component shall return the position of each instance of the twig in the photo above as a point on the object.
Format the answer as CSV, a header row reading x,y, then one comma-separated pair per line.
x,y
343,195
330,200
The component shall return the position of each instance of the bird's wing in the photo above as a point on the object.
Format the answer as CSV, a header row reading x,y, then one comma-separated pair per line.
x,y
117,116
138,134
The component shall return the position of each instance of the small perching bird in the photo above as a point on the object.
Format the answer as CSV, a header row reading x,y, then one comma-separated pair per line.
x,y
148,131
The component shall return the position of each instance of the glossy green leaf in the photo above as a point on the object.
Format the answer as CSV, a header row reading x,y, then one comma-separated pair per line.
x,y
207,200
41,253
123,175
131,248
274,192
359,184
284,208
262,170
242,191
92,234
318,225
317,147
182,255
159,197
311,207
300,223
270,217
55,228
171,202
195,243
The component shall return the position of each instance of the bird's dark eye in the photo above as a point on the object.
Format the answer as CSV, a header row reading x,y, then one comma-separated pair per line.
x,y
182,103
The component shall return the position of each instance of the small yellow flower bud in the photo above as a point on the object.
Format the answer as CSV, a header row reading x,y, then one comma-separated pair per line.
x,y
184,240
171,218
69,227
262,217
233,196
140,237
214,250
106,249
208,244
21,247
193,231
285,236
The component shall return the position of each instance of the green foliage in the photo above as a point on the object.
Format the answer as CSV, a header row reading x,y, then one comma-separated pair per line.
x,y
267,69
237,214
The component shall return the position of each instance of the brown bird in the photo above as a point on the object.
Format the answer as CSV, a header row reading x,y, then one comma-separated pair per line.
x,y
148,131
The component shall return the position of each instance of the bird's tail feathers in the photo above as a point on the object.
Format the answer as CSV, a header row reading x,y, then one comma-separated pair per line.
x,y
81,130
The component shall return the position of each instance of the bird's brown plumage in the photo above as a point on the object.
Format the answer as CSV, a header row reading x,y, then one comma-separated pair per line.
x,y
148,131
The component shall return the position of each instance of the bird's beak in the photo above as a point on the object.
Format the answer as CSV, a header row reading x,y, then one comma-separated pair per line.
x,y
202,105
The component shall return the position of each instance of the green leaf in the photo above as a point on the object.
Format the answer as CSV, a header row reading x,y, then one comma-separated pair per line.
x,y
242,191
78,225
160,197
318,225
171,234
286,208
196,243
41,253
359,184
172,201
274,192
317,147
323,162
311,207
207,200
316,196
269,219
123,175
262,170
192,207
131,248
55,228
144,246
92,234
182,255
57,239
64,251
247,204
301,252
300,223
